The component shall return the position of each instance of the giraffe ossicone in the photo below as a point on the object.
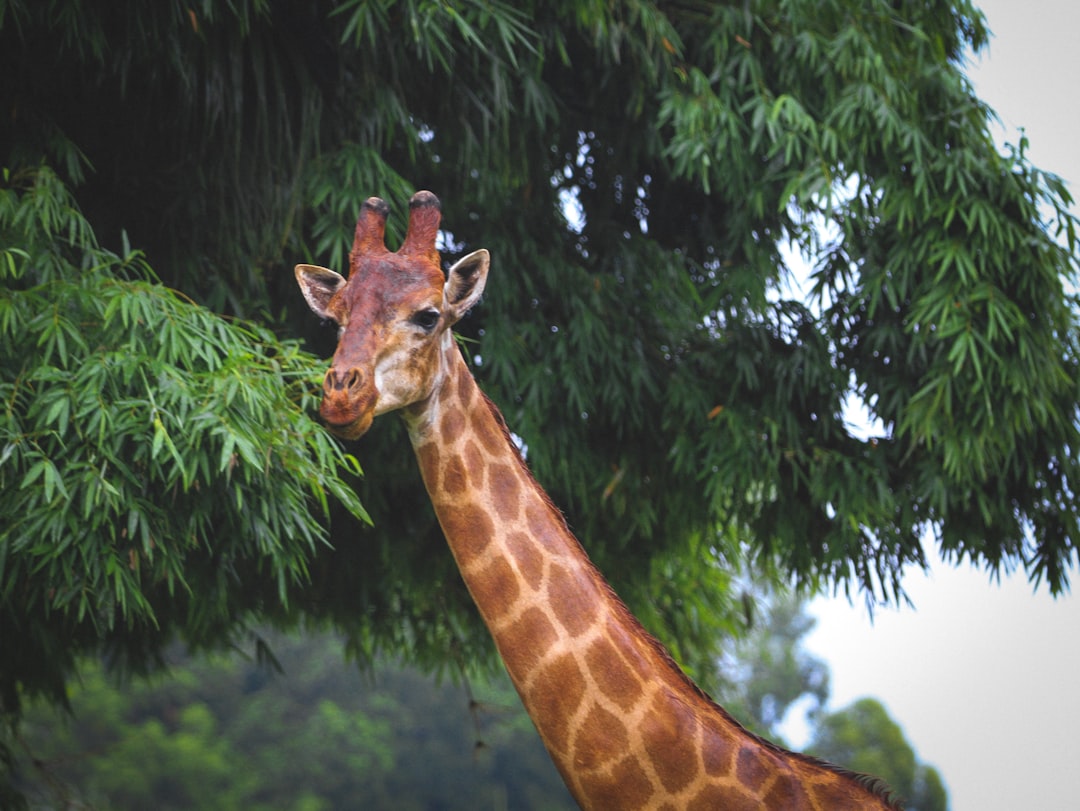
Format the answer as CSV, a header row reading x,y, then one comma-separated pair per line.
x,y
625,727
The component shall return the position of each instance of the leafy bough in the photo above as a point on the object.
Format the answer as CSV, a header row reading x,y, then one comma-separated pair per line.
x,y
145,443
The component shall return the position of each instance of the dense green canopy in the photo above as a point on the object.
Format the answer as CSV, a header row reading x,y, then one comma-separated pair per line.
x,y
635,170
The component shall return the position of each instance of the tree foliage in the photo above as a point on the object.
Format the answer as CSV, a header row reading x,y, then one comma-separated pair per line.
x,y
153,455
680,405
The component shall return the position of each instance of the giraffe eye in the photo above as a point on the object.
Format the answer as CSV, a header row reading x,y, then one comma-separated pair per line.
x,y
426,319
337,325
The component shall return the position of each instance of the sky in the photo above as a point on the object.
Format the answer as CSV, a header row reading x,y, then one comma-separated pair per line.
x,y
984,676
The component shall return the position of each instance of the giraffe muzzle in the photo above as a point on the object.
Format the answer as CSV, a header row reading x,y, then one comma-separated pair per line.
x,y
348,404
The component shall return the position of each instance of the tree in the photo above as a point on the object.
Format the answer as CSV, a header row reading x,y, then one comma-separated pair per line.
x,y
769,670
863,737
226,731
153,455
312,732
682,411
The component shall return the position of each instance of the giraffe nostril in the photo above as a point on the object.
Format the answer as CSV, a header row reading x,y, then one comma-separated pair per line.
x,y
338,380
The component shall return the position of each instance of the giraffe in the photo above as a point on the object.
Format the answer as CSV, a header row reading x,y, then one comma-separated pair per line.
x,y
626,728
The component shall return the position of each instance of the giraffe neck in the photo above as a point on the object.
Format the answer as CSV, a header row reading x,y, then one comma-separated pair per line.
x,y
624,726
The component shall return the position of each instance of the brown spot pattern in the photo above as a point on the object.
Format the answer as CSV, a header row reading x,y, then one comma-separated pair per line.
x,y
752,768
834,794
490,431
626,786
613,674
717,755
669,731
495,587
786,793
471,528
475,463
572,599
554,695
532,636
530,562
545,526
505,489
466,388
455,480
452,426
601,738
428,458
713,797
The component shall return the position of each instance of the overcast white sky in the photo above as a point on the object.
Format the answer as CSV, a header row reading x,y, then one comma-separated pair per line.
x,y
984,677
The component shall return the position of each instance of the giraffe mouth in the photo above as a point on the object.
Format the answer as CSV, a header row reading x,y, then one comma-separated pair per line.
x,y
350,430
348,418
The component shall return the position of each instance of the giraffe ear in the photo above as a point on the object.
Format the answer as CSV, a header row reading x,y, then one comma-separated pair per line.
x,y
464,283
318,286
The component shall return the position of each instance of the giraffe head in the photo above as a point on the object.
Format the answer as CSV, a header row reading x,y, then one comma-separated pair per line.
x,y
394,315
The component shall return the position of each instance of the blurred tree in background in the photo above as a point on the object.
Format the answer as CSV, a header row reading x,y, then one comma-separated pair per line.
x,y
863,737
635,169
307,734
310,733
769,675
767,670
